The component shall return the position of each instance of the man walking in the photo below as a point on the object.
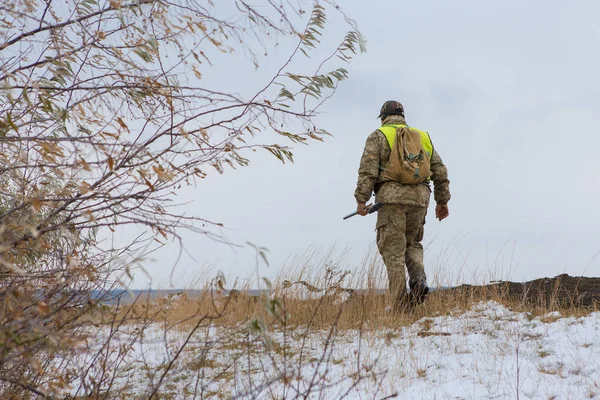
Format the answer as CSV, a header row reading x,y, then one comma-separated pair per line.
x,y
398,164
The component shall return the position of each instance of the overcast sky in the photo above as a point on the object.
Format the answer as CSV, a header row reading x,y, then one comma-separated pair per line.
x,y
509,92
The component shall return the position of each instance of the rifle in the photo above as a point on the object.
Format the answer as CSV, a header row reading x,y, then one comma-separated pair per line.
x,y
371,210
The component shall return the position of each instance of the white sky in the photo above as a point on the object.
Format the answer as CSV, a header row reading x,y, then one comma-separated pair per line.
x,y
510,94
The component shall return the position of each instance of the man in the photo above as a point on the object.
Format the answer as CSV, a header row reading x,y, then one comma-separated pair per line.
x,y
401,218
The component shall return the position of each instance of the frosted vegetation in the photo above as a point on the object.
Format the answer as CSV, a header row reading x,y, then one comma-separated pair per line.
x,y
488,351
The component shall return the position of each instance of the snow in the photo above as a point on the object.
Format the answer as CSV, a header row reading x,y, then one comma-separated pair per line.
x,y
487,352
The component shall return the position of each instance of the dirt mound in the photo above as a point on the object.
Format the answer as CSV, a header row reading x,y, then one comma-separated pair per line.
x,y
560,291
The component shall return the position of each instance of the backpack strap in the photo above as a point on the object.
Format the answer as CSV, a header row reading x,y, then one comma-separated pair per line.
x,y
389,131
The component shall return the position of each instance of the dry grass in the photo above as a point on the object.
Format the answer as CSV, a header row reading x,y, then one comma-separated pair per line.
x,y
295,325
315,292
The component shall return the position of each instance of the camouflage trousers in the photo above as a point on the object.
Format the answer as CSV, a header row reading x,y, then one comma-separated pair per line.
x,y
399,234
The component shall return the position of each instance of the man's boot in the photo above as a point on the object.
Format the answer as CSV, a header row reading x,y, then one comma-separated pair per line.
x,y
403,303
418,291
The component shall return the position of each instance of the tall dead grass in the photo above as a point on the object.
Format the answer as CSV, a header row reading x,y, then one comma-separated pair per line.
x,y
315,291
270,332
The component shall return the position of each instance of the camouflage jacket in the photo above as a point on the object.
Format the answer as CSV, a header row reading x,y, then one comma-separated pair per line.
x,y
370,175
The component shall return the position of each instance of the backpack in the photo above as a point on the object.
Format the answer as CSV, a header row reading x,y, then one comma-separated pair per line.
x,y
409,163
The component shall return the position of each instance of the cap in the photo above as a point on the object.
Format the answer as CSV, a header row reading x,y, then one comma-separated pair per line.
x,y
391,107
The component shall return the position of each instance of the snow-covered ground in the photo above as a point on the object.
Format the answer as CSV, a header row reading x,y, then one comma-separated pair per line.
x,y
488,352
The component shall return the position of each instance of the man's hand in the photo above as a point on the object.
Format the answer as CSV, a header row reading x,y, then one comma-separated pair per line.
x,y
441,211
362,209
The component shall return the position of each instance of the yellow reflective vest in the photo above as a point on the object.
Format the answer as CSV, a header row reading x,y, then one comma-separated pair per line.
x,y
389,131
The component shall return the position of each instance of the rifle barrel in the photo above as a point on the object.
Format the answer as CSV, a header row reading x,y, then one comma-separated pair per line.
x,y
372,209
351,215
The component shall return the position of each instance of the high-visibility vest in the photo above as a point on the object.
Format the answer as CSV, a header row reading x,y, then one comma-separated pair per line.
x,y
389,131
